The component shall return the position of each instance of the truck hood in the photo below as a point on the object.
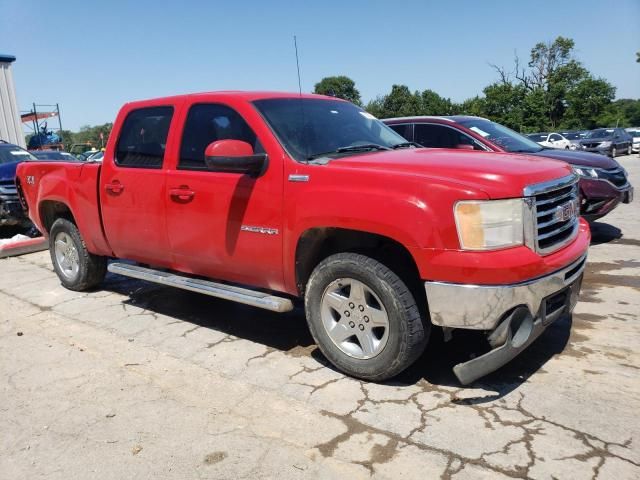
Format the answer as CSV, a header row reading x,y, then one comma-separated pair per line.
x,y
8,171
499,175
586,159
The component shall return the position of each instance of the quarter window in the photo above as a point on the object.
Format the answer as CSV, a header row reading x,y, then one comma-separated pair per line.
x,y
143,137
403,129
207,123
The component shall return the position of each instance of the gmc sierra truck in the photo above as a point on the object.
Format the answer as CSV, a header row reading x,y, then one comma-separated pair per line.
x,y
265,198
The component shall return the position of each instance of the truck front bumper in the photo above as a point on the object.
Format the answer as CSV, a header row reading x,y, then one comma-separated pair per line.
x,y
514,315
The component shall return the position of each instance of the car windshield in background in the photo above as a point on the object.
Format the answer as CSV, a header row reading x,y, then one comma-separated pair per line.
x,y
600,133
49,155
537,137
14,154
634,133
501,135
573,135
312,128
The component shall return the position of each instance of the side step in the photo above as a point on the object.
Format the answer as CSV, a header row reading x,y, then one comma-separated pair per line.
x,y
219,290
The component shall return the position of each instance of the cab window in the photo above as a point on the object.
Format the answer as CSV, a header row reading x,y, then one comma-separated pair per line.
x,y
143,138
207,123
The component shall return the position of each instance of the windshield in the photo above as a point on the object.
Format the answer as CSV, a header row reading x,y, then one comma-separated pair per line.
x,y
501,135
50,155
14,154
634,133
310,128
573,135
599,133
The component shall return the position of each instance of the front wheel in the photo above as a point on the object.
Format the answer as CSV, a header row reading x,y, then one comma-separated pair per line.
x,y
614,152
363,317
629,150
76,267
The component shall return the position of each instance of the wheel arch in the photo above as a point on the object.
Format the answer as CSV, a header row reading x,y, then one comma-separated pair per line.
x,y
50,210
317,243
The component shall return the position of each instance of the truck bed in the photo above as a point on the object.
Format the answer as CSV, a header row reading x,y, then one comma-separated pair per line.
x,y
52,185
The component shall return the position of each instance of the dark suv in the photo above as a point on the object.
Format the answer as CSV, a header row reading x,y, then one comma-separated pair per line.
x,y
608,141
11,212
603,181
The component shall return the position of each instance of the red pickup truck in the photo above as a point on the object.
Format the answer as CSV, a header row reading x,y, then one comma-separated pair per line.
x,y
265,198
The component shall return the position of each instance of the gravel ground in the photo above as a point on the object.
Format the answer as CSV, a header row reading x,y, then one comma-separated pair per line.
x,y
142,381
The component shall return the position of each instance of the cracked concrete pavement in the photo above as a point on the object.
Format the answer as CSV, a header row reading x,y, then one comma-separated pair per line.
x,y
141,381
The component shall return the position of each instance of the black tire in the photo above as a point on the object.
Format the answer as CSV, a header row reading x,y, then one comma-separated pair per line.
x,y
91,268
407,335
614,152
629,150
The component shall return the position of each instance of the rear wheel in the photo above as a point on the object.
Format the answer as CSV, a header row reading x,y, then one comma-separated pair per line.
x,y
76,268
363,317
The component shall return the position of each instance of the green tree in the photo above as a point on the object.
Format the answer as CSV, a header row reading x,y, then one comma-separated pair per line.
x,y
400,102
503,103
375,107
558,90
340,87
622,113
434,104
586,102
475,106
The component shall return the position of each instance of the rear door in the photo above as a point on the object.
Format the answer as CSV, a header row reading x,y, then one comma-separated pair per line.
x,y
132,186
220,224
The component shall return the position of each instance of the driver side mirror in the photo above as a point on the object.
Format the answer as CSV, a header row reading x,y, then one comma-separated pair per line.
x,y
464,146
234,156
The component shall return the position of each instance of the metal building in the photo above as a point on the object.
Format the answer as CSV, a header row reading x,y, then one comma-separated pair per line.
x,y
10,123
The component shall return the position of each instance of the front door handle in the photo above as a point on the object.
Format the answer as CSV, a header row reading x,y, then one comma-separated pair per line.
x,y
114,188
182,194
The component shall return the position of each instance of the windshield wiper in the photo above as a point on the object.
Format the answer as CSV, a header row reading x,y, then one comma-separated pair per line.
x,y
352,148
363,147
406,145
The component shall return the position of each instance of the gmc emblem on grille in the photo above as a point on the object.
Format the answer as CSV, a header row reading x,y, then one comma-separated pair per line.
x,y
31,180
565,211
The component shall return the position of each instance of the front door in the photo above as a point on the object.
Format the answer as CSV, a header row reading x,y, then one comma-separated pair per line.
x,y
224,225
132,187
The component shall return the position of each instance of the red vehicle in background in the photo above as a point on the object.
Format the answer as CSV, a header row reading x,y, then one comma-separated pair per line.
x,y
264,198
603,181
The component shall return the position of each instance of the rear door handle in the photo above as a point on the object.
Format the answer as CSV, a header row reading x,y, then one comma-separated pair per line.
x,y
114,187
182,194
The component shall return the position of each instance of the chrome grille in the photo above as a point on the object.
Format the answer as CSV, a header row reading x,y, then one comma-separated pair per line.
x,y
8,192
555,208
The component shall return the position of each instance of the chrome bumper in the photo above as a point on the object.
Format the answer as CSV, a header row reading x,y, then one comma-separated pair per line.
x,y
480,307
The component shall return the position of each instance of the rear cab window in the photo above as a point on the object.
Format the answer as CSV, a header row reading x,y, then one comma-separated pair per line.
x,y
143,137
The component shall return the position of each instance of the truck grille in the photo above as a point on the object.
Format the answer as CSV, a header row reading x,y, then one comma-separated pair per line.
x,y
8,192
590,144
615,176
556,208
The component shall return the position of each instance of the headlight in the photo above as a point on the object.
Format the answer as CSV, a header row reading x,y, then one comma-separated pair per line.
x,y
490,224
586,172
605,144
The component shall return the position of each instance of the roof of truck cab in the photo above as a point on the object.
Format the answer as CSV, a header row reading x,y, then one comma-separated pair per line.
x,y
239,94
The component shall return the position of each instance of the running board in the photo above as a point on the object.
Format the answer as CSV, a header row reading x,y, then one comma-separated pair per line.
x,y
219,290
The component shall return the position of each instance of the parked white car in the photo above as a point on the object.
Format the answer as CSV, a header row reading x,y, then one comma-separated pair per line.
x,y
552,140
635,133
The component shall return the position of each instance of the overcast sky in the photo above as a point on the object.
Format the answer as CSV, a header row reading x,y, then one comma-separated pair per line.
x,y
90,57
